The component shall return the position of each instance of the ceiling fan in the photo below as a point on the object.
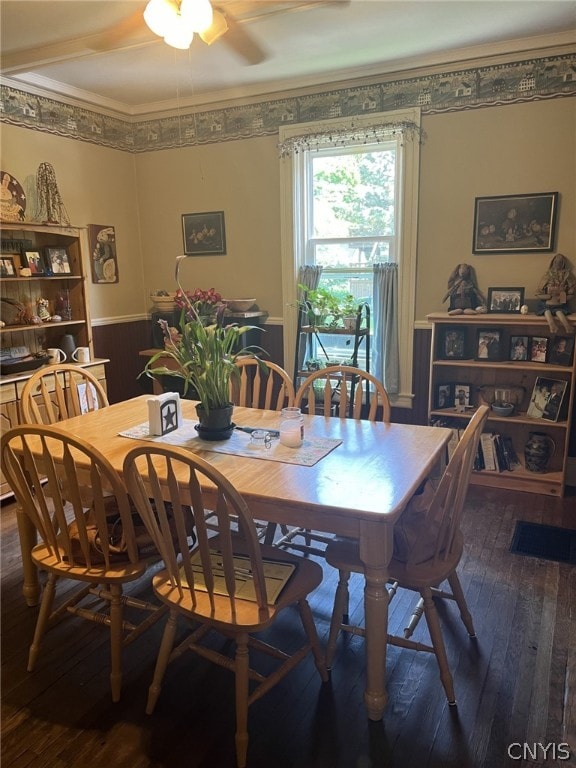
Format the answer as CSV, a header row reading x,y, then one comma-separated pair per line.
x,y
225,19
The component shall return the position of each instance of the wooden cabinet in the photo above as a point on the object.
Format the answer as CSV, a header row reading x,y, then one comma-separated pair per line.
x,y
65,292
460,355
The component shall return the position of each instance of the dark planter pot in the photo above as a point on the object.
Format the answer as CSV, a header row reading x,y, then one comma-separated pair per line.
x,y
217,424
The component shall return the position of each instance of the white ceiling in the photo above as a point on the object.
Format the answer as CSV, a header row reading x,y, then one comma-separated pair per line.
x,y
306,43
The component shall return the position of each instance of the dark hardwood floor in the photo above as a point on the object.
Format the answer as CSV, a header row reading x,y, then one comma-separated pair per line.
x,y
516,684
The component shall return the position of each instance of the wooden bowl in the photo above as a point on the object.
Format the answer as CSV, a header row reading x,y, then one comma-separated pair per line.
x,y
239,305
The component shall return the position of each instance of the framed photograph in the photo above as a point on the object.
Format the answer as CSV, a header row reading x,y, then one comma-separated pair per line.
x,y
452,344
506,300
57,261
444,396
538,349
7,266
204,233
518,348
103,258
515,223
488,344
561,350
461,396
547,398
33,260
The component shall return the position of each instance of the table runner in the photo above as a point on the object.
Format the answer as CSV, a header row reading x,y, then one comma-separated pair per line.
x,y
310,452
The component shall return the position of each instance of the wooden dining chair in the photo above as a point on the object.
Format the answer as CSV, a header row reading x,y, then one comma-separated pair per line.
x,y
347,392
262,385
58,392
78,539
229,582
428,545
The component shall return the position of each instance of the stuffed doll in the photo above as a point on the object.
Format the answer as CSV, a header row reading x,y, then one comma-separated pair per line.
x,y
463,292
554,291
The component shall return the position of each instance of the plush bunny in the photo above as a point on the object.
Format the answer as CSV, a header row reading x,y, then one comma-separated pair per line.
x,y
463,292
554,291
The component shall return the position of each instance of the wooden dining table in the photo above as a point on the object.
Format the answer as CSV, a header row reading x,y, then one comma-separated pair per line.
x,y
358,489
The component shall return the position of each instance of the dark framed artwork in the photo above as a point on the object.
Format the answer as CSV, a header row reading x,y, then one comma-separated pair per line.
x,y
488,344
509,223
561,350
547,398
204,233
7,266
56,260
518,348
103,257
505,300
444,397
33,260
538,349
452,344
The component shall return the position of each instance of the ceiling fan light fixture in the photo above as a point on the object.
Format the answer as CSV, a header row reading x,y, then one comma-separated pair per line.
x,y
179,35
197,13
161,16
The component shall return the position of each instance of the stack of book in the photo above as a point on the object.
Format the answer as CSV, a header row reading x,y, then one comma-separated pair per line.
x,y
495,453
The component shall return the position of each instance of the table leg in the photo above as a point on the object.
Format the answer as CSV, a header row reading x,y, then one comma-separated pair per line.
x,y
27,534
375,552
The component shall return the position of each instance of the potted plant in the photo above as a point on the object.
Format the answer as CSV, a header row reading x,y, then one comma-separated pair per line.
x,y
349,312
205,357
321,306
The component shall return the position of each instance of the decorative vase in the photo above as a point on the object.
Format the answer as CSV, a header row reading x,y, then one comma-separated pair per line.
x,y
216,424
538,450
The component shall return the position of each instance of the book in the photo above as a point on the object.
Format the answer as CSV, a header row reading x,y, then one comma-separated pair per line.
x,y
488,451
512,460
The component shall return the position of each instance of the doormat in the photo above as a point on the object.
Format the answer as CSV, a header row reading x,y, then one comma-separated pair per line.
x,y
545,541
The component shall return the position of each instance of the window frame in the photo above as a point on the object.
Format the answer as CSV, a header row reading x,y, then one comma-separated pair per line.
x,y
293,237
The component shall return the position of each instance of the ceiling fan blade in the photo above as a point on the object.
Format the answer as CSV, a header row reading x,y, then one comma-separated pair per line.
x,y
240,41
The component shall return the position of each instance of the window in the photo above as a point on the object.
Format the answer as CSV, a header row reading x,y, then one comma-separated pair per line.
x,y
349,194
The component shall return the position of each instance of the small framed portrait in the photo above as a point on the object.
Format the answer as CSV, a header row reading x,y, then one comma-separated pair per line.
x,y
518,348
7,266
452,344
538,349
57,260
561,350
488,344
33,260
462,397
204,233
506,300
444,397
547,398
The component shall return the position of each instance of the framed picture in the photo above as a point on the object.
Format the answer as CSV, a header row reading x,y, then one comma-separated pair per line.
x,y
57,261
488,344
515,223
461,396
518,348
507,300
7,266
444,397
538,349
561,350
452,344
547,398
204,233
33,260
103,258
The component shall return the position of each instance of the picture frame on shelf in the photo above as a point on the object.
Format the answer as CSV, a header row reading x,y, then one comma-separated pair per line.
x,y
561,350
452,343
513,223
505,300
34,262
538,350
444,396
518,348
7,266
462,397
204,233
547,398
57,260
488,344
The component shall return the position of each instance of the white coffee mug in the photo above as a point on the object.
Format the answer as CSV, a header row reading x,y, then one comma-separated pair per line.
x,y
56,355
81,355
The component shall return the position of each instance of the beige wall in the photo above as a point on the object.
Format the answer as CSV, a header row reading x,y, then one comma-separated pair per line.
x,y
513,149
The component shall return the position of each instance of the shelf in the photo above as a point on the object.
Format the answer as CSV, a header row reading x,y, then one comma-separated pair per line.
x,y
336,331
40,326
520,418
41,278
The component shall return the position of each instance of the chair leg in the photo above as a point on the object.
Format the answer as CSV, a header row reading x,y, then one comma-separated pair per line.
x,y
435,631
116,635
162,661
414,619
242,671
43,618
458,594
312,635
340,608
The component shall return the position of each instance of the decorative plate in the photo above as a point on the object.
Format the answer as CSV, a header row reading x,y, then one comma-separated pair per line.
x,y
12,198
